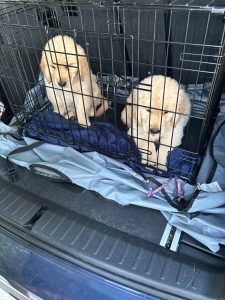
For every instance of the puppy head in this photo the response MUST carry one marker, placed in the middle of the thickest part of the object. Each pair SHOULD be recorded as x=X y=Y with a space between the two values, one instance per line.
x=158 y=107
x=63 y=60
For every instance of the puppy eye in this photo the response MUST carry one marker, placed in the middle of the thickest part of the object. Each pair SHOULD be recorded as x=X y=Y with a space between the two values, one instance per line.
x=148 y=110
x=53 y=67
x=165 y=112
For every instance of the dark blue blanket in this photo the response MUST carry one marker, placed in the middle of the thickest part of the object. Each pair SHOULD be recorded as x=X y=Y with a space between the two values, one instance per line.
x=104 y=138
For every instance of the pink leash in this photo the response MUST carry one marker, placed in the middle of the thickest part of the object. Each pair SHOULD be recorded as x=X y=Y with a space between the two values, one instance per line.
x=179 y=193
x=152 y=192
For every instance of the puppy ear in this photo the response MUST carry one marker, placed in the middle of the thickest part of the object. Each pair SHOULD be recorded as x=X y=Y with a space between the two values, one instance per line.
x=45 y=68
x=132 y=112
x=42 y=63
x=83 y=67
x=126 y=116
x=138 y=115
x=182 y=105
x=132 y=115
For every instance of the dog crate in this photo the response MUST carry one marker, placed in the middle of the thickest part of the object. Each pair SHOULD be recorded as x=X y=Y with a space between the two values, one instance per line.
x=124 y=42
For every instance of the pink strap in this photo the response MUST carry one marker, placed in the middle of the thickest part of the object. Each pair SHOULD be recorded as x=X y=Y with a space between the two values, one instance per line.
x=152 y=192
x=178 y=193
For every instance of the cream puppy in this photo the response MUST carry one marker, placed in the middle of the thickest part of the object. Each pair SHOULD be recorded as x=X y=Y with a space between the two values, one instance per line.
x=157 y=111
x=70 y=84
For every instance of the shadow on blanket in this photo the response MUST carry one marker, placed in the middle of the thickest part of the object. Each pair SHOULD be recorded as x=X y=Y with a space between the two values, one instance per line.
x=106 y=139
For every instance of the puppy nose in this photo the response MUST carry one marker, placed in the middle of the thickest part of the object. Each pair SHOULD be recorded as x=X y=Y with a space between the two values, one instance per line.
x=62 y=83
x=154 y=130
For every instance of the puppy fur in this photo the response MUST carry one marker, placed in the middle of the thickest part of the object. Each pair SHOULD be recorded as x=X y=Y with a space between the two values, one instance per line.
x=165 y=107
x=70 y=84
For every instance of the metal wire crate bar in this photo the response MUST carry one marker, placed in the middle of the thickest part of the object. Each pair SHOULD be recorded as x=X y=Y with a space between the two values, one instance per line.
x=140 y=81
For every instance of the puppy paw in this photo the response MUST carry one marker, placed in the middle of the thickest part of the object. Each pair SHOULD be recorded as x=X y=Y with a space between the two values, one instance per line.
x=162 y=168
x=148 y=163
x=150 y=158
x=162 y=158
x=69 y=115
x=85 y=123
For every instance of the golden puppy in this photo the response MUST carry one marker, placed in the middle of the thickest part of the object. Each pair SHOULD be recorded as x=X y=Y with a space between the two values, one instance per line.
x=157 y=114
x=70 y=84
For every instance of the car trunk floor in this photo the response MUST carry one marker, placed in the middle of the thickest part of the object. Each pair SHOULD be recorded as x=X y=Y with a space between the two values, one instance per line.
x=144 y=223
